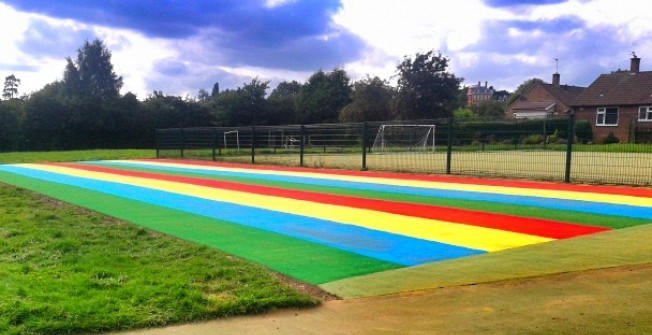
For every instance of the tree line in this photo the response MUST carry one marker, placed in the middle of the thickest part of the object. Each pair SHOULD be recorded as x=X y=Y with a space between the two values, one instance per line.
x=85 y=109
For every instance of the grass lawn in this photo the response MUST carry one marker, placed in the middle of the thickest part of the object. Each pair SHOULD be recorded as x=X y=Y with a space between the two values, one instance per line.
x=77 y=155
x=67 y=270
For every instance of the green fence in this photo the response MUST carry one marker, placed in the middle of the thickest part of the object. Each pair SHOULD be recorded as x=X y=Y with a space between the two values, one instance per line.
x=554 y=149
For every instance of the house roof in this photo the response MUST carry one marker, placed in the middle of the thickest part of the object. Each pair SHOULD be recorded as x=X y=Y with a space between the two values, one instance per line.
x=532 y=105
x=564 y=93
x=617 y=89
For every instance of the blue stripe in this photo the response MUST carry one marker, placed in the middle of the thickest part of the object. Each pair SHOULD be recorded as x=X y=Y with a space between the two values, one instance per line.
x=561 y=204
x=372 y=243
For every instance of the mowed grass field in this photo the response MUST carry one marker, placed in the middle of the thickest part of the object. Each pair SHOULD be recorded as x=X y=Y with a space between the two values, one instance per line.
x=64 y=269
x=510 y=275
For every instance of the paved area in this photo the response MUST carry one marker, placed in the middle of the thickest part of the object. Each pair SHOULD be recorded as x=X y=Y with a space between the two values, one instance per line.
x=572 y=303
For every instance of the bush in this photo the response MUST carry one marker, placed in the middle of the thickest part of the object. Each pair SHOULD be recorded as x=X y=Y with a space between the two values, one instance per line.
x=533 y=139
x=611 y=138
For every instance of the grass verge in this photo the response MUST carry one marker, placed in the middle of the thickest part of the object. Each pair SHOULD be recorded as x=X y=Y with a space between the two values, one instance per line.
x=66 y=270
x=76 y=155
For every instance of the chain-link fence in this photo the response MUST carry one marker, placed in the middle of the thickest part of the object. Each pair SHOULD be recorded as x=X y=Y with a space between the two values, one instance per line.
x=555 y=149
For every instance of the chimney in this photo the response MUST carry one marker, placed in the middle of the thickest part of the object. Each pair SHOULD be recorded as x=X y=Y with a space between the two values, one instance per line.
x=555 y=79
x=635 y=65
x=485 y=84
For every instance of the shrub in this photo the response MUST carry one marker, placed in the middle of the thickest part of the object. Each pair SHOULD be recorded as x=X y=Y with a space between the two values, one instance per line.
x=533 y=139
x=611 y=138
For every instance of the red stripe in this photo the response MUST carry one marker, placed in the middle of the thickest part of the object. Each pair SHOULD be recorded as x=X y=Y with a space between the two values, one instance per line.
x=614 y=190
x=530 y=226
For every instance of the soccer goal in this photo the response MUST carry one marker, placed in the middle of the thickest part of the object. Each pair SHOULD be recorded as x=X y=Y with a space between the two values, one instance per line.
x=404 y=137
x=231 y=139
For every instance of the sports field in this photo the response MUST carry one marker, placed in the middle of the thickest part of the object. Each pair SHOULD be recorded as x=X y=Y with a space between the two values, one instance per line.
x=325 y=226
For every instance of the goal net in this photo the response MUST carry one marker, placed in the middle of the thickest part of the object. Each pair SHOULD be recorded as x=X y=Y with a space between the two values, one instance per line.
x=404 y=137
x=231 y=140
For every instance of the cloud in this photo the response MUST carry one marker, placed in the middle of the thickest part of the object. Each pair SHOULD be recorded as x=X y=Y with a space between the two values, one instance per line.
x=513 y=3
x=295 y=35
x=43 y=39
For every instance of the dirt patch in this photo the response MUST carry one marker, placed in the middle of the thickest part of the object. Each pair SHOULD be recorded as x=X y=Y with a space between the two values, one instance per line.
x=605 y=301
x=312 y=290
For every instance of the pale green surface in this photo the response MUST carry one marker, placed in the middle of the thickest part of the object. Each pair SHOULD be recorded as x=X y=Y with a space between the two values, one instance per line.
x=603 y=250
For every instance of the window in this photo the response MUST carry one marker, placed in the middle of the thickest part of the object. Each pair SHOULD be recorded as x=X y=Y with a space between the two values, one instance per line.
x=645 y=113
x=607 y=116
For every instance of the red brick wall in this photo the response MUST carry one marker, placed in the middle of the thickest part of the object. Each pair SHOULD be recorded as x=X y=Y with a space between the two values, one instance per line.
x=538 y=93
x=627 y=118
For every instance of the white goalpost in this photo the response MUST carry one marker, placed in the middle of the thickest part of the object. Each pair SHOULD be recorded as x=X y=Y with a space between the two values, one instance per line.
x=404 y=137
x=231 y=133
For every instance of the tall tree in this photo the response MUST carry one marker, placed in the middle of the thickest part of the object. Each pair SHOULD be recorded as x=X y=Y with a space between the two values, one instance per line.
x=282 y=102
x=323 y=96
x=91 y=74
x=370 y=101
x=244 y=106
x=10 y=90
x=425 y=87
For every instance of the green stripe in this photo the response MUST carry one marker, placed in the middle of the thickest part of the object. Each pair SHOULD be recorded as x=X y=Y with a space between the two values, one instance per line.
x=614 y=222
x=303 y=260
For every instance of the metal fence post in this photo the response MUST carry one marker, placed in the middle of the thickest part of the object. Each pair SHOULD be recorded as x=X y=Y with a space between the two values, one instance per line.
x=365 y=130
x=214 y=143
x=569 y=147
x=449 y=146
x=302 y=136
x=183 y=141
x=253 y=145
x=157 y=139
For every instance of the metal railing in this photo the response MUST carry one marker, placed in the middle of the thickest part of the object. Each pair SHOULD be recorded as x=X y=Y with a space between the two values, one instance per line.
x=555 y=149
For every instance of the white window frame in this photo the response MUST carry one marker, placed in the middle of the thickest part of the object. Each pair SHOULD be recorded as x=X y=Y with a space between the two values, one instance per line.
x=647 y=111
x=601 y=117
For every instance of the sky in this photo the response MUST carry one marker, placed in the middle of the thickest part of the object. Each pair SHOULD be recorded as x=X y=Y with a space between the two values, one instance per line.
x=181 y=46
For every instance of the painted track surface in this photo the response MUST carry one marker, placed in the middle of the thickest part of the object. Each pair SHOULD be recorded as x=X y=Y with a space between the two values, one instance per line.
x=321 y=225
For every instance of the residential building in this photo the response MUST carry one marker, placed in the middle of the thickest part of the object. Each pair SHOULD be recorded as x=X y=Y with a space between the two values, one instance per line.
x=618 y=103
x=544 y=100
x=478 y=93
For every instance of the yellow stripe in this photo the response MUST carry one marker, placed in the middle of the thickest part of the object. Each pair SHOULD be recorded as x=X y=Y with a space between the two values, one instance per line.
x=434 y=230
x=503 y=190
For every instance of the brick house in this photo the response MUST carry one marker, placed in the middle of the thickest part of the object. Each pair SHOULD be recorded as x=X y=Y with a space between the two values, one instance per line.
x=544 y=100
x=478 y=94
x=618 y=103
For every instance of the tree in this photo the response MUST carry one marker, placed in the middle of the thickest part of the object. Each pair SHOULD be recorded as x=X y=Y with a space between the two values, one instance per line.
x=216 y=90
x=425 y=88
x=91 y=75
x=323 y=96
x=370 y=101
x=282 y=102
x=490 y=109
x=521 y=89
x=244 y=106
x=11 y=87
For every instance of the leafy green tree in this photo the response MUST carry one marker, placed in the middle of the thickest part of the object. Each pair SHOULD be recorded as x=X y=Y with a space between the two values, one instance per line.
x=370 y=101
x=10 y=90
x=91 y=75
x=521 y=89
x=47 y=120
x=203 y=95
x=282 y=102
x=323 y=96
x=216 y=90
x=165 y=111
x=490 y=109
x=244 y=106
x=425 y=87
x=12 y=114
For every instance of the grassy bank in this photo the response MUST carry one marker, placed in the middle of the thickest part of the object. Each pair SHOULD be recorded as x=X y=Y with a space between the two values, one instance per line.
x=67 y=270
x=76 y=155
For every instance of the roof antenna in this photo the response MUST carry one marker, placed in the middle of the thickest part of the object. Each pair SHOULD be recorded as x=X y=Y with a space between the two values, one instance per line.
x=556 y=65
x=634 y=55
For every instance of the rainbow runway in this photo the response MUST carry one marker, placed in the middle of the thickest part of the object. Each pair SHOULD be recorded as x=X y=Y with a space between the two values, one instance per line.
x=324 y=225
